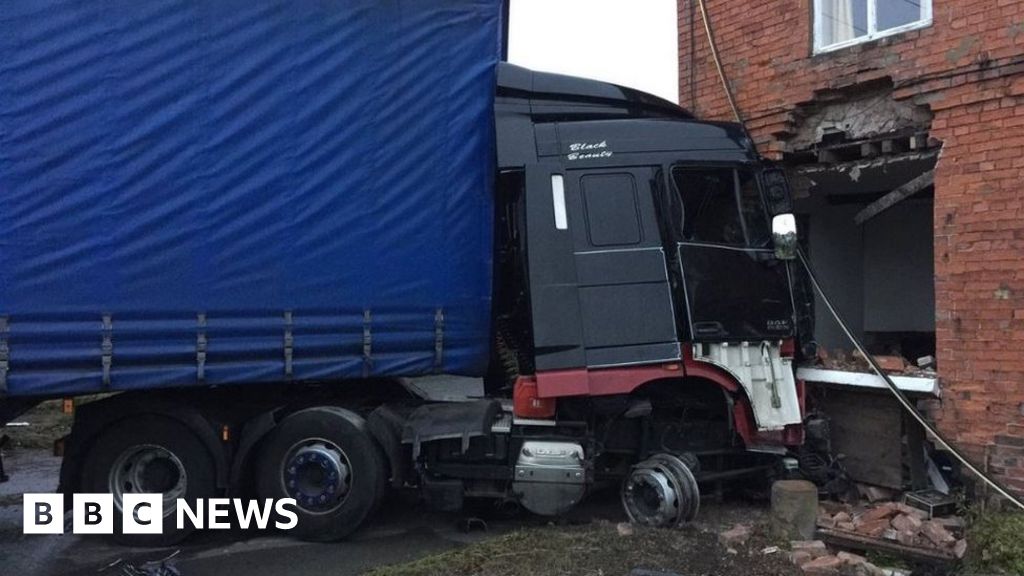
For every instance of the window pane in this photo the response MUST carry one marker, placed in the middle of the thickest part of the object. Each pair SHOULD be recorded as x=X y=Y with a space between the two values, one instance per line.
x=842 y=20
x=894 y=13
x=710 y=212
x=610 y=201
x=758 y=231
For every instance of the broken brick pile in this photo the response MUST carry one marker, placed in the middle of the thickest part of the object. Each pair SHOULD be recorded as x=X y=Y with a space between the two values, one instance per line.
x=896 y=522
x=838 y=359
x=815 y=559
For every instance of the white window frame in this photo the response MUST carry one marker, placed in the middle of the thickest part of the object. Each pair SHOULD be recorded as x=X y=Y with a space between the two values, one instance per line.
x=873 y=32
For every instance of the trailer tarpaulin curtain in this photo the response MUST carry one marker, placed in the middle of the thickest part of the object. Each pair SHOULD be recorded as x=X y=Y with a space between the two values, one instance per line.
x=199 y=192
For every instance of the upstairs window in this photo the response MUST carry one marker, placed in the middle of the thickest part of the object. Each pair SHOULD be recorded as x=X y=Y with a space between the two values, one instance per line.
x=841 y=23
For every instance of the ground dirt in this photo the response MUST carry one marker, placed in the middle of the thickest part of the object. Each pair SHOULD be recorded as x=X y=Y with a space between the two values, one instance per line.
x=599 y=548
x=589 y=543
x=39 y=427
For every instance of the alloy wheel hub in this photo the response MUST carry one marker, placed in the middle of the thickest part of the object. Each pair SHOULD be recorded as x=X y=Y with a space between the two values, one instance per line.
x=317 y=474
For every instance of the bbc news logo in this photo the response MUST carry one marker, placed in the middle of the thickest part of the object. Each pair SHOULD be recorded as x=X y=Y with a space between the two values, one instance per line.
x=144 y=513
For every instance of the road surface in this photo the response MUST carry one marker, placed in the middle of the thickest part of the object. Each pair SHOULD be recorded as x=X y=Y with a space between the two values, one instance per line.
x=399 y=532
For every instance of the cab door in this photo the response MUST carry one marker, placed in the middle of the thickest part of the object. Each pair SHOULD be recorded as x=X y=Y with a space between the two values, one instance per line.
x=734 y=287
x=599 y=284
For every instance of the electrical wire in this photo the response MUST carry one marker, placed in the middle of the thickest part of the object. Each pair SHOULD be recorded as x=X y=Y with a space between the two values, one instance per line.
x=693 y=57
x=900 y=397
x=718 y=62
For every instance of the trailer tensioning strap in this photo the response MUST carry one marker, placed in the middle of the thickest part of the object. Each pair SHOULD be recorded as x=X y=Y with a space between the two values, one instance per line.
x=900 y=396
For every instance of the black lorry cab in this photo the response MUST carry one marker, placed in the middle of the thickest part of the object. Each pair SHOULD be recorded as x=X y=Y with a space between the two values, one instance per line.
x=645 y=230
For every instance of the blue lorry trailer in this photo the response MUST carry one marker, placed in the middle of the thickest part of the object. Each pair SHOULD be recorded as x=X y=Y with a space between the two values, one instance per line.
x=215 y=193
x=245 y=225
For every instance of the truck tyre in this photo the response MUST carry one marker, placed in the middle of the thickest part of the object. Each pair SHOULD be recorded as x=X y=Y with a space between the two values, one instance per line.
x=326 y=459
x=383 y=482
x=661 y=492
x=150 y=455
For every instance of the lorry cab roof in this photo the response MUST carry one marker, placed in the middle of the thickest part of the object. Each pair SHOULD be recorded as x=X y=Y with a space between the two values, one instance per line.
x=562 y=114
x=560 y=95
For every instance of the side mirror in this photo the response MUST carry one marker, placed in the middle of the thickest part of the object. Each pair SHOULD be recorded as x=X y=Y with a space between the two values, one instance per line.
x=776 y=191
x=784 y=236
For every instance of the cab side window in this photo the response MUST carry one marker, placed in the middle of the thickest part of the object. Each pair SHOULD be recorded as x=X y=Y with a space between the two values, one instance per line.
x=610 y=204
x=759 y=233
x=721 y=206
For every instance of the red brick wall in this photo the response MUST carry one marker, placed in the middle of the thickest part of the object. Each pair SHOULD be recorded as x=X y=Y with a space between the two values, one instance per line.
x=968 y=66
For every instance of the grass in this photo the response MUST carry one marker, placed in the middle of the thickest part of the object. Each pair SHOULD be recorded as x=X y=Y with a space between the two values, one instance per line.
x=596 y=549
x=541 y=551
x=995 y=543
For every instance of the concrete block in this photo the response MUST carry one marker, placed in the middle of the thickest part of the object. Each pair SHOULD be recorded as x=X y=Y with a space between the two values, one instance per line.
x=795 y=508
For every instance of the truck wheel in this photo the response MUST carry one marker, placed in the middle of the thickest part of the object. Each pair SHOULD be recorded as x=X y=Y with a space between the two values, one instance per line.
x=150 y=455
x=661 y=492
x=326 y=460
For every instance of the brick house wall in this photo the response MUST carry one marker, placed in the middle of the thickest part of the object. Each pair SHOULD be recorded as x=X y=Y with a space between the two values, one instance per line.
x=968 y=68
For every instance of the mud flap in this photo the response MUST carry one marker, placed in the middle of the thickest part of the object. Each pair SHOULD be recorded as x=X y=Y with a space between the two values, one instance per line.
x=463 y=420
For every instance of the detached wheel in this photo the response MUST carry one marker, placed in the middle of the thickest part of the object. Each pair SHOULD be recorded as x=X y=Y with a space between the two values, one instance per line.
x=327 y=461
x=661 y=492
x=150 y=455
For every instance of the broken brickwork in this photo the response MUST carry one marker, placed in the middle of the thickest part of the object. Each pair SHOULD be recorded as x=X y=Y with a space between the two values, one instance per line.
x=963 y=76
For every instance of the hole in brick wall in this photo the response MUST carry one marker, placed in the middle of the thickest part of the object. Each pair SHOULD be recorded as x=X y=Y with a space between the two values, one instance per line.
x=861 y=165
x=862 y=121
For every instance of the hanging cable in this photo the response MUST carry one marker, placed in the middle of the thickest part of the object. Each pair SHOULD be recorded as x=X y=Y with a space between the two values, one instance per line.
x=900 y=396
x=692 y=22
x=718 y=62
